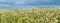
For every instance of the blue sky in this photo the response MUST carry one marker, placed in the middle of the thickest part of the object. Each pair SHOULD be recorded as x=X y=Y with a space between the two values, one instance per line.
x=9 y=4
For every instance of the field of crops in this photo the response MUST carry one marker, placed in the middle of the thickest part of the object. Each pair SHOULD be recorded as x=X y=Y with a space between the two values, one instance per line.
x=43 y=15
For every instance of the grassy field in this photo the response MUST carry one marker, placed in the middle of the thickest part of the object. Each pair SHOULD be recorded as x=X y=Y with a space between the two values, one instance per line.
x=43 y=15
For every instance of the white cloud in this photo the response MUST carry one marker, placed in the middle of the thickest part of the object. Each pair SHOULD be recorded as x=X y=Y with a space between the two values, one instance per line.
x=46 y=0
x=2 y=0
x=7 y=1
x=20 y=1
x=16 y=2
x=4 y=5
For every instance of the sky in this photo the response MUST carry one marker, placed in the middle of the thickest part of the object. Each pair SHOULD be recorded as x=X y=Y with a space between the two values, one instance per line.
x=13 y=4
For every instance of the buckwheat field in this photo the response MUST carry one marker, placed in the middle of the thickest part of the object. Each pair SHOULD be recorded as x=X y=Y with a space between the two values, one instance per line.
x=43 y=15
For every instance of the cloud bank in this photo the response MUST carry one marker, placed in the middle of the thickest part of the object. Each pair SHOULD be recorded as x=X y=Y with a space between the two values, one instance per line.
x=23 y=3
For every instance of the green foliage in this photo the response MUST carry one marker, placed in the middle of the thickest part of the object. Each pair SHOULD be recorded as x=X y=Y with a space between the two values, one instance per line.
x=30 y=16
